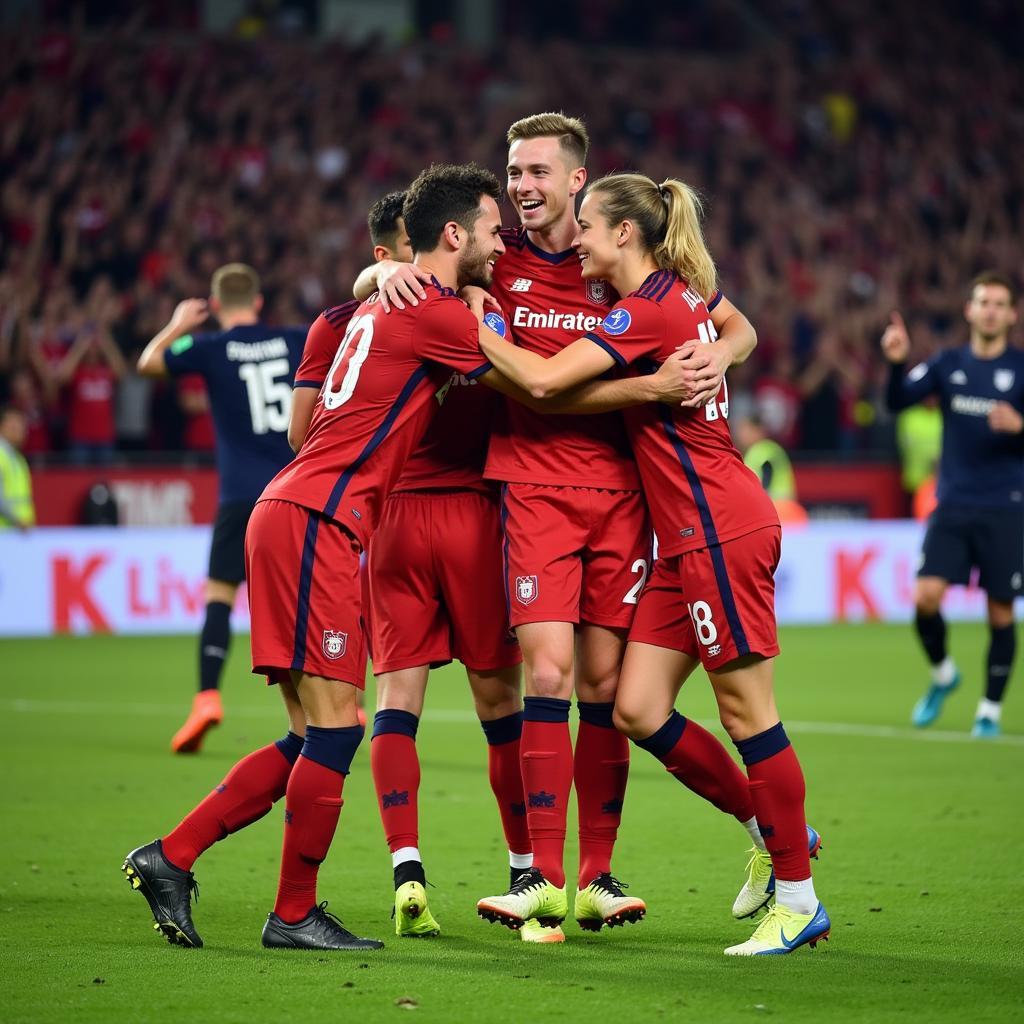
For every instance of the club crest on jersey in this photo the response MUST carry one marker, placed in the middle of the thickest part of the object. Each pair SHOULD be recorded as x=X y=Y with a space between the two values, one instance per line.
x=617 y=321
x=526 y=589
x=496 y=322
x=335 y=644
x=1003 y=380
x=597 y=291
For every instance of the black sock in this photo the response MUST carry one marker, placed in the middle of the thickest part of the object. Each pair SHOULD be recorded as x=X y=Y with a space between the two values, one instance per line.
x=214 y=641
x=409 y=871
x=1001 y=649
x=932 y=631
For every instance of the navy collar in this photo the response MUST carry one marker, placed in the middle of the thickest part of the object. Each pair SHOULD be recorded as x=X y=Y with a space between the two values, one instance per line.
x=550 y=257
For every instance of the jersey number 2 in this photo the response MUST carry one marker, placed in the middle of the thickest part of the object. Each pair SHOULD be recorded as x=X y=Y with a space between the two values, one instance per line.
x=270 y=399
x=360 y=331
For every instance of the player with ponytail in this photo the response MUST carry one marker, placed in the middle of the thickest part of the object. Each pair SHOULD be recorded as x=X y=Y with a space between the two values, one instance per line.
x=710 y=597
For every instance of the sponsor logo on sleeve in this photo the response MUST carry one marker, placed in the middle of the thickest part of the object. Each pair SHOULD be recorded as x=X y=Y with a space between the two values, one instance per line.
x=496 y=322
x=183 y=344
x=617 y=321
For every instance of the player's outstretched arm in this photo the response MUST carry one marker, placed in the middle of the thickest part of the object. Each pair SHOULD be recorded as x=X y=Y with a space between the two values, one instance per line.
x=904 y=390
x=398 y=284
x=545 y=378
x=187 y=316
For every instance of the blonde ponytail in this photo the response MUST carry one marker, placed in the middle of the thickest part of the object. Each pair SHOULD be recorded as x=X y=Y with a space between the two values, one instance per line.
x=683 y=248
x=667 y=217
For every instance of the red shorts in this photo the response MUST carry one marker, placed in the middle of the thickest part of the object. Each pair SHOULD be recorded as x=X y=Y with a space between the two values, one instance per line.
x=574 y=554
x=305 y=595
x=435 y=583
x=716 y=604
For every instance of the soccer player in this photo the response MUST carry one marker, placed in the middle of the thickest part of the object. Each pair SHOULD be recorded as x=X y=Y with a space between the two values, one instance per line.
x=979 y=521
x=576 y=556
x=442 y=504
x=302 y=560
x=248 y=368
x=719 y=540
x=435 y=592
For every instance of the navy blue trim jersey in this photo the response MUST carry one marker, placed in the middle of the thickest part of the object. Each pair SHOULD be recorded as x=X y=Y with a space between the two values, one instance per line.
x=248 y=372
x=979 y=466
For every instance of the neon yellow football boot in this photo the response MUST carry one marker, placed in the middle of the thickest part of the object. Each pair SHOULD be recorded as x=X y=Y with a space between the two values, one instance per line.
x=604 y=903
x=759 y=888
x=533 y=931
x=413 y=919
x=782 y=930
x=531 y=895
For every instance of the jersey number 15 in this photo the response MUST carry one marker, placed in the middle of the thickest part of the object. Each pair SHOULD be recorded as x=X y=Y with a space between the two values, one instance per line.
x=270 y=398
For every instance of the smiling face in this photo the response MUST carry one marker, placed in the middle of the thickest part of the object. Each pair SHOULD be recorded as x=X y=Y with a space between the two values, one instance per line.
x=596 y=242
x=483 y=247
x=541 y=184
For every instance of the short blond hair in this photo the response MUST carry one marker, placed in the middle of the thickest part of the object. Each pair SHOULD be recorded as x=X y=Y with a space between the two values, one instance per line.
x=235 y=286
x=571 y=133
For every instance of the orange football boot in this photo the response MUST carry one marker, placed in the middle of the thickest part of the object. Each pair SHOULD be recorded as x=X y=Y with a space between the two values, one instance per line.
x=205 y=714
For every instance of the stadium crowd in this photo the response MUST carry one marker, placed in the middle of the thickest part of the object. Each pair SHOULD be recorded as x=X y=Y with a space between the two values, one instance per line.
x=854 y=160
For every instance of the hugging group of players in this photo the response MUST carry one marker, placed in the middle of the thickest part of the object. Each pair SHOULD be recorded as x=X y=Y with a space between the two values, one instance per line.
x=487 y=446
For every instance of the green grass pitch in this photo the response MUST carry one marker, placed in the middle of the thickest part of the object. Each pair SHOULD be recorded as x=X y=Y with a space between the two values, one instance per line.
x=921 y=869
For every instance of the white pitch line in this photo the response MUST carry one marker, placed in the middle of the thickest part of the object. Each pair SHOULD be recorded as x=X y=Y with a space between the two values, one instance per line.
x=30 y=706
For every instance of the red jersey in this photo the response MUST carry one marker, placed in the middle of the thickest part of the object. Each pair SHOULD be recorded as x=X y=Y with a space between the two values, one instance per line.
x=697 y=488
x=452 y=452
x=378 y=397
x=91 y=418
x=549 y=306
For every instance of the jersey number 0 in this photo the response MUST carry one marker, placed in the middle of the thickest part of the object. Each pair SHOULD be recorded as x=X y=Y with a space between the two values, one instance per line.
x=356 y=346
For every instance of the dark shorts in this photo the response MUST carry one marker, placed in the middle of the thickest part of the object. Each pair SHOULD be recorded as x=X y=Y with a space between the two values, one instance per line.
x=227 y=550
x=960 y=539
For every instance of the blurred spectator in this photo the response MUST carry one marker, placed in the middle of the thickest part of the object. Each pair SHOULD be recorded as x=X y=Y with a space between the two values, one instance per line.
x=849 y=151
x=91 y=370
x=16 y=508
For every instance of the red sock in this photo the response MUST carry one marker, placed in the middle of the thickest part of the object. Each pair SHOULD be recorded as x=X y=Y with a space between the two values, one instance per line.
x=396 y=776
x=600 y=771
x=546 y=759
x=702 y=764
x=506 y=778
x=312 y=807
x=777 y=788
x=247 y=793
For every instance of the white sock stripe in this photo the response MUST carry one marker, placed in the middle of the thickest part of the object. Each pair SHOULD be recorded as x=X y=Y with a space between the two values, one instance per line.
x=404 y=855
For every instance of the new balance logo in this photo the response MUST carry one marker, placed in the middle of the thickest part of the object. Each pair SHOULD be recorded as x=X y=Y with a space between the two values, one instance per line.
x=519 y=810
x=958 y=377
x=288 y=817
x=220 y=788
x=395 y=799
x=611 y=807
x=521 y=284
x=767 y=831
x=542 y=799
